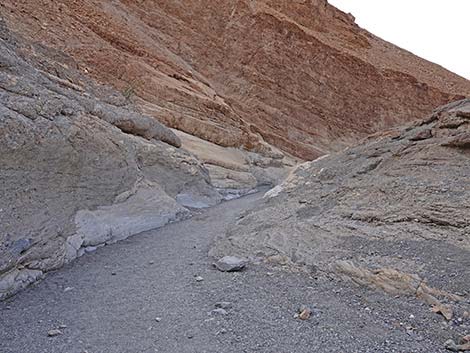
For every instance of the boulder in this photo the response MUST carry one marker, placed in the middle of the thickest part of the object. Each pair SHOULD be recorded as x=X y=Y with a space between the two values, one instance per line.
x=231 y=264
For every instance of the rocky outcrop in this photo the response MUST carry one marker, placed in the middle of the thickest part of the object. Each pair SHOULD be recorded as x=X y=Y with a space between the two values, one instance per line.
x=78 y=167
x=234 y=171
x=297 y=75
x=391 y=213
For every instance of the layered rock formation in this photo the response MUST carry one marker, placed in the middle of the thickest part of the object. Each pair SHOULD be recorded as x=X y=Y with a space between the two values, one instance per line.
x=248 y=87
x=235 y=171
x=391 y=213
x=79 y=169
x=298 y=75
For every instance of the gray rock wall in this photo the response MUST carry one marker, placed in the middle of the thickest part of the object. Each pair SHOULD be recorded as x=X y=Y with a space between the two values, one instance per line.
x=78 y=168
x=395 y=205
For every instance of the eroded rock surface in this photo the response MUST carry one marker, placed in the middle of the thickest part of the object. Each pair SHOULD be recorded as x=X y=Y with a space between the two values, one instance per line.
x=392 y=213
x=78 y=167
x=235 y=172
x=297 y=75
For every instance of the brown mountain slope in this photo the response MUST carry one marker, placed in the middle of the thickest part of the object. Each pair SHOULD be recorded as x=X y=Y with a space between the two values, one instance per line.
x=299 y=75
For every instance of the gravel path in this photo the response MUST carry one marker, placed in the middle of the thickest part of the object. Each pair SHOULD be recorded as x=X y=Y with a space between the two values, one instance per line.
x=109 y=302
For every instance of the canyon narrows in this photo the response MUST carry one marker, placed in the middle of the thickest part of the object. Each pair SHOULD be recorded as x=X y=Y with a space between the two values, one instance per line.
x=333 y=164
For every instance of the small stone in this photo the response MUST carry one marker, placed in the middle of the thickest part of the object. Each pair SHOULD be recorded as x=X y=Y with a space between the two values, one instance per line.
x=444 y=310
x=304 y=313
x=465 y=339
x=113 y=273
x=158 y=319
x=412 y=316
x=231 y=264
x=151 y=262
x=199 y=279
x=68 y=289
x=454 y=347
x=219 y=311
x=62 y=326
x=53 y=333
x=223 y=305
x=90 y=249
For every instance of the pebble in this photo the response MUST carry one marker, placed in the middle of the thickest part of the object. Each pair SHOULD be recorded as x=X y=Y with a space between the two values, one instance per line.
x=305 y=312
x=409 y=330
x=158 y=319
x=53 y=333
x=199 y=279
x=62 y=326
x=219 y=311
x=68 y=289
x=151 y=262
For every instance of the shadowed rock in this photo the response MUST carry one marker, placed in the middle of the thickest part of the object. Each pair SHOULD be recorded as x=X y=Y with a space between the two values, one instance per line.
x=79 y=168
x=392 y=213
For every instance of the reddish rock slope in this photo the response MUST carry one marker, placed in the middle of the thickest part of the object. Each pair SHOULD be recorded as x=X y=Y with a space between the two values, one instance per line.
x=300 y=75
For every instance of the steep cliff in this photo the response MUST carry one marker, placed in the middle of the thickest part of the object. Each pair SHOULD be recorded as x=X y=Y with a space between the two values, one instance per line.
x=297 y=75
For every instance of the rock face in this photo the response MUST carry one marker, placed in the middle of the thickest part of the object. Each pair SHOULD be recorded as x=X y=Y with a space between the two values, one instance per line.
x=78 y=167
x=234 y=171
x=392 y=213
x=297 y=75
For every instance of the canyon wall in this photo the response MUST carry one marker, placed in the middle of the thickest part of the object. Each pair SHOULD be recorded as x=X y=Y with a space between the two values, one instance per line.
x=390 y=213
x=297 y=75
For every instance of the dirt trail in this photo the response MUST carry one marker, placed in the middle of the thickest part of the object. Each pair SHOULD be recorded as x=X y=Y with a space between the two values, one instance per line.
x=110 y=300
